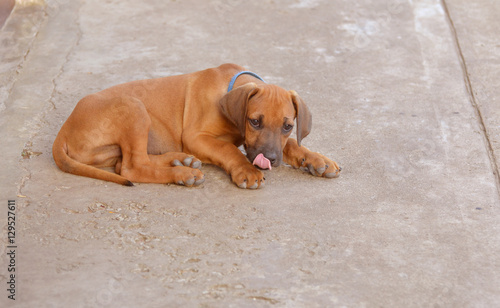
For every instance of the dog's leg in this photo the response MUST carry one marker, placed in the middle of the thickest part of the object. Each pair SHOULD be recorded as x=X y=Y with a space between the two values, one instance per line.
x=317 y=164
x=227 y=156
x=164 y=175
x=137 y=165
x=167 y=168
x=141 y=167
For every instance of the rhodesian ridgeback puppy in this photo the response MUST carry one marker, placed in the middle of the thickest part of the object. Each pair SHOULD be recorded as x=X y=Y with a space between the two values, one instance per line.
x=160 y=130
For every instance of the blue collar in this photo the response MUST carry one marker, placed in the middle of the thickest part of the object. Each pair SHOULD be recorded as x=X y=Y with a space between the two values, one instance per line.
x=233 y=80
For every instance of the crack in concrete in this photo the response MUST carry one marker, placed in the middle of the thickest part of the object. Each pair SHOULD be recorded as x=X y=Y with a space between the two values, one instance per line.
x=23 y=181
x=472 y=98
x=50 y=100
x=66 y=61
x=37 y=25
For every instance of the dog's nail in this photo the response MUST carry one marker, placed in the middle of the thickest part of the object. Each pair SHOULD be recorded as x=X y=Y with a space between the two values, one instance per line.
x=311 y=169
x=196 y=164
x=332 y=175
x=187 y=162
x=176 y=162
x=340 y=169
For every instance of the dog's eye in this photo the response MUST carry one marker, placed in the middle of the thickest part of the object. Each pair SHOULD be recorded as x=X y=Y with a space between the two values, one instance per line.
x=255 y=123
x=287 y=127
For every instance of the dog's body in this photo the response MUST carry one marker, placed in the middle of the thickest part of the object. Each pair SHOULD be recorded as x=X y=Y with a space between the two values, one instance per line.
x=158 y=130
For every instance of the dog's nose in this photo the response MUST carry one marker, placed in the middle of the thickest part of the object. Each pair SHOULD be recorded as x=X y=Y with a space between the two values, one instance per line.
x=273 y=158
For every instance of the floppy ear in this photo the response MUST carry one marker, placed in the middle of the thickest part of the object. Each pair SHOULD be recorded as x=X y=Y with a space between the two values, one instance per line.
x=304 y=117
x=234 y=104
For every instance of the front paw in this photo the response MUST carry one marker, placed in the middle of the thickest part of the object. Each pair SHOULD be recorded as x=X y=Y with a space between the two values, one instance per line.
x=247 y=176
x=320 y=165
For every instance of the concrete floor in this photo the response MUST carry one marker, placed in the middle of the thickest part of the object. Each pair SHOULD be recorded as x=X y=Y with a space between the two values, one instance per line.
x=404 y=95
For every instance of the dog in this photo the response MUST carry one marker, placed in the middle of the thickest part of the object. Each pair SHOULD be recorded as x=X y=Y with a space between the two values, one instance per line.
x=161 y=130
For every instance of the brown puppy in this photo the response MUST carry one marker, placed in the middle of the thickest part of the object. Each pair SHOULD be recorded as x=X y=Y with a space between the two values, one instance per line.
x=158 y=130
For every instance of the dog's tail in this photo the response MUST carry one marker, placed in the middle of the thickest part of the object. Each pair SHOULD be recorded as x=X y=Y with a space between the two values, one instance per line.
x=68 y=164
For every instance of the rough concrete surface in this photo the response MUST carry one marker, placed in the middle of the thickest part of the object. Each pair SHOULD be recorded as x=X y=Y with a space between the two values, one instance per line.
x=404 y=95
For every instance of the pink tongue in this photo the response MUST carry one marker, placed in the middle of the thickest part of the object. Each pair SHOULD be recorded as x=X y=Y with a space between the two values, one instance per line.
x=262 y=162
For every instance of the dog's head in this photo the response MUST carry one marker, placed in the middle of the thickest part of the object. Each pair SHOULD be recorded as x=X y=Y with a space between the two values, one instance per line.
x=265 y=116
